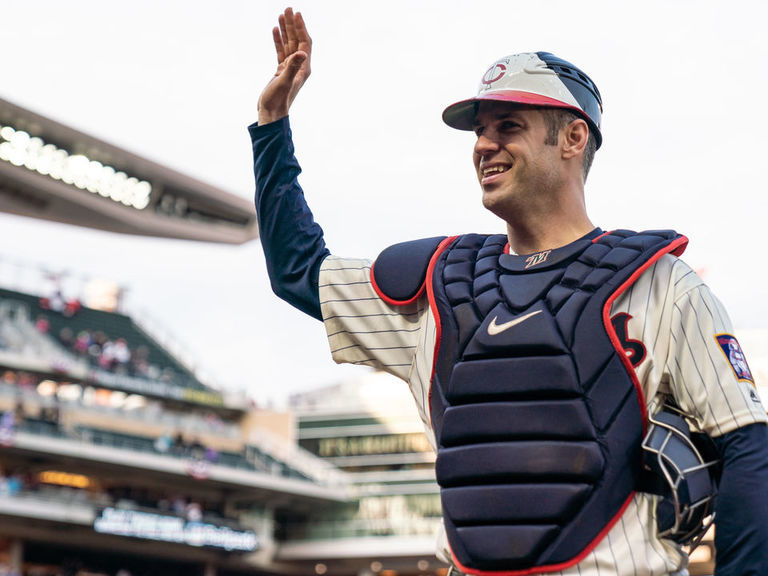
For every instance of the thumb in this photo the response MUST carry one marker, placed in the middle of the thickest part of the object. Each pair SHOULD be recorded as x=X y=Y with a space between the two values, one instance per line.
x=294 y=63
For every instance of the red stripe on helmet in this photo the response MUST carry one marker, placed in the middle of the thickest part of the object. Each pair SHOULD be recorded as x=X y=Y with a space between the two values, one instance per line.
x=526 y=98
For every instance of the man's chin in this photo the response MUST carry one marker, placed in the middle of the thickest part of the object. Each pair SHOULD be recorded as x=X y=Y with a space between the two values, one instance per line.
x=496 y=211
x=493 y=201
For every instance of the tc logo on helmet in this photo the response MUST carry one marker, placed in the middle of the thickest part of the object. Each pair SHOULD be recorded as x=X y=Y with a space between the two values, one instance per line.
x=494 y=73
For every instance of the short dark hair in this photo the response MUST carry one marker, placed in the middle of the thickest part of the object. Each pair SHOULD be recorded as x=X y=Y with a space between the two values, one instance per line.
x=558 y=118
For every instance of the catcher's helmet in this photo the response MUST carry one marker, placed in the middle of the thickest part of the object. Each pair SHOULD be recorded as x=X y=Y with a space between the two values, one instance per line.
x=537 y=79
x=688 y=475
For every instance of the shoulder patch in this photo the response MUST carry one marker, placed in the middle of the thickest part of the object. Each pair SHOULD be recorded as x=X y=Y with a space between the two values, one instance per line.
x=399 y=273
x=735 y=356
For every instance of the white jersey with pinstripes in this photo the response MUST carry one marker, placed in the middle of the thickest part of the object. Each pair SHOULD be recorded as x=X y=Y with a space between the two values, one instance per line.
x=671 y=311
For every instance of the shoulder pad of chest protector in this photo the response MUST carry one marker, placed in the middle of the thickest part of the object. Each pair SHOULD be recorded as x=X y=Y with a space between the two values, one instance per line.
x=400 y=271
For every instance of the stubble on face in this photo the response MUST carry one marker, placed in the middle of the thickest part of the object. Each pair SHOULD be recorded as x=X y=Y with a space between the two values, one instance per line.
x=515 y=138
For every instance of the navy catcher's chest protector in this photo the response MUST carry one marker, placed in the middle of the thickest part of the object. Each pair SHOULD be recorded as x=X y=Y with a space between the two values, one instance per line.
x=536 y=409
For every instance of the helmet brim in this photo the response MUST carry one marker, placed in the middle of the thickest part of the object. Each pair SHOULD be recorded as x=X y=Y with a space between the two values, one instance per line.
x=461 y=115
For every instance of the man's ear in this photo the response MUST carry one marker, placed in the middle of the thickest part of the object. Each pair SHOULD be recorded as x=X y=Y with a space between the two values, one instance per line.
x=574 y=138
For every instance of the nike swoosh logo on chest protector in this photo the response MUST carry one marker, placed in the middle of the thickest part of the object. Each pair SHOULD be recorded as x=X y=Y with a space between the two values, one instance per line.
x=494 y=329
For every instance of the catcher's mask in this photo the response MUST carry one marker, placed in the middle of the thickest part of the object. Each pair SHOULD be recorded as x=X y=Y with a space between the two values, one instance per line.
x=685 y=471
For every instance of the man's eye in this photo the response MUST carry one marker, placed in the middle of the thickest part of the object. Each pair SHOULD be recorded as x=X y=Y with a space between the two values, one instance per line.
x=509 y=125
x=478 y=130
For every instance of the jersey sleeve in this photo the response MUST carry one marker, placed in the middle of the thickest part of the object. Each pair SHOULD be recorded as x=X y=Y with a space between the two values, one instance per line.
x=293 y=242
x=708 y=373
x=361 y=327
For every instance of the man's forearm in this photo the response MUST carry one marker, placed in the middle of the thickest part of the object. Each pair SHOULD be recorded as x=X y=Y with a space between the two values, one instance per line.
x=741 y=523
x=293 y=242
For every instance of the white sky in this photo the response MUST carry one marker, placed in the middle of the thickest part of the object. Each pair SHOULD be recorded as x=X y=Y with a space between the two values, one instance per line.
x=683 y=83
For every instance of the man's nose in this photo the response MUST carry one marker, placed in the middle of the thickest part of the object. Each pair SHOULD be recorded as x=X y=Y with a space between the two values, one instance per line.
x=485 y=144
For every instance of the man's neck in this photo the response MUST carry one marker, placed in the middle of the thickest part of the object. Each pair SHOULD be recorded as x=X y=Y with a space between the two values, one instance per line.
x=546 y=234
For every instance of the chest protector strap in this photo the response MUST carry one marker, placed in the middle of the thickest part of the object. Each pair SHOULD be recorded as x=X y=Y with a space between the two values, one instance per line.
x=536 y=408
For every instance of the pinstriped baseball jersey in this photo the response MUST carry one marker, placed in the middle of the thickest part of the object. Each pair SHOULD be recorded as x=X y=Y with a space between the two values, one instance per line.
x=669 y=315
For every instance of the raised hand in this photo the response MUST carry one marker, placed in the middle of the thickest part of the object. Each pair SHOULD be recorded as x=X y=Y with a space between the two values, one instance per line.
x=294 y=49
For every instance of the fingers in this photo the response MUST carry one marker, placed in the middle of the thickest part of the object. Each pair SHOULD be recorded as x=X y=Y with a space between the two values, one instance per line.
x=283 y=31
x=279 y=50
x=292 y=35
x=293 y=49
x=289 y=28
x=305 y=42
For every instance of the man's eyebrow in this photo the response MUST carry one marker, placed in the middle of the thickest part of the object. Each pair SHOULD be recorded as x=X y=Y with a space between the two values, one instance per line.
x=503 y=115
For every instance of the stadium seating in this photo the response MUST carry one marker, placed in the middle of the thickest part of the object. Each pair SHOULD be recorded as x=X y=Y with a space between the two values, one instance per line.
x=114 y=325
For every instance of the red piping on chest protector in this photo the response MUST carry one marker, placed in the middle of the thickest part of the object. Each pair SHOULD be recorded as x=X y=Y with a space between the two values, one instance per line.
x=550 y=567
x=676 y=248
x=433 y=306
x=392 y=301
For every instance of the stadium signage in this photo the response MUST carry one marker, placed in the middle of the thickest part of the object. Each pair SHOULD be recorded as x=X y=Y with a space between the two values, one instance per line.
x=154 y=388
x=135 y=524
x=368 y=445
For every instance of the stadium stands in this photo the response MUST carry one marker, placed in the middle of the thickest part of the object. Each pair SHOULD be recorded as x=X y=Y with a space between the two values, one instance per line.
x=101 y=327
x=102 y=451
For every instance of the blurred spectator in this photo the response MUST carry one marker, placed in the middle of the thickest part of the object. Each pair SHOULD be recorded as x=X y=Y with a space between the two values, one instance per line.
x=83 y=342
x=67 y=338
x=211 y=455
x=179 y=504
x=121 y=355
x=54 y=302
x=114 y=355
x=196 y=449
x=51 y=414
x=10 y=485
x=167 y=375
x=107 y=359
x=26 y=381
x=98 y=339
x=140 y=361
x=7 y=428
x=42 y=325
x=179 y=445
x=163 y=443
x=57 y=303
x=194 y=512
x=18 y=413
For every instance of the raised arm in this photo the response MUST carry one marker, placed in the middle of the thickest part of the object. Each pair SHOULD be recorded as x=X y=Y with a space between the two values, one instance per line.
x=293 y=242
x=294 y=50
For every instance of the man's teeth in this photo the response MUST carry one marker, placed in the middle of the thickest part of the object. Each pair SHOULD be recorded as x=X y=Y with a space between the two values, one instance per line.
x=494 y=169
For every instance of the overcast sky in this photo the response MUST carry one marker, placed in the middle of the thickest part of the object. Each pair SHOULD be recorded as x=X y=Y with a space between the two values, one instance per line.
x=683 y=84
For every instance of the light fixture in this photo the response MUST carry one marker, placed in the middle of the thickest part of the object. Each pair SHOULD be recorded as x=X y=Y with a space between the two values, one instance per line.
x=20 y=149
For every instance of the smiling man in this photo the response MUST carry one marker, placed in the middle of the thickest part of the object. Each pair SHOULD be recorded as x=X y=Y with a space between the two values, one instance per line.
x=583 y=389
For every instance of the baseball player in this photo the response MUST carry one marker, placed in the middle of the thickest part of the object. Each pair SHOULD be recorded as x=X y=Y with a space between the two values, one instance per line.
x=543 y=360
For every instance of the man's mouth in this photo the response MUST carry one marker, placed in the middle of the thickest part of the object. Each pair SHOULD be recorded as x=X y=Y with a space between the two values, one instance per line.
x=490 y=170
x=488 y=174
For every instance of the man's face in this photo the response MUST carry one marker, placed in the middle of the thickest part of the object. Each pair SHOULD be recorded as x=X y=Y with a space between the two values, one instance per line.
x=514 y=166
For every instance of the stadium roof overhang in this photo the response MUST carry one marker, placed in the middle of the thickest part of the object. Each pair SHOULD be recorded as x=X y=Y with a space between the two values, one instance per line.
x=51 y=171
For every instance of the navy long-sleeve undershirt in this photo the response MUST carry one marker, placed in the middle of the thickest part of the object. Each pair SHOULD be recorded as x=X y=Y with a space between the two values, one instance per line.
x=293 y=242
x=741 y=523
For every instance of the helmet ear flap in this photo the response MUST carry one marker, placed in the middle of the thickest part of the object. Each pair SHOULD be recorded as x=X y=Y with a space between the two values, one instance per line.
x=686 y=475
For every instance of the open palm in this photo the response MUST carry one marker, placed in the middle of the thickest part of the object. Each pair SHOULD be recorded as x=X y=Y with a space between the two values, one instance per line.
x=294 y=49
